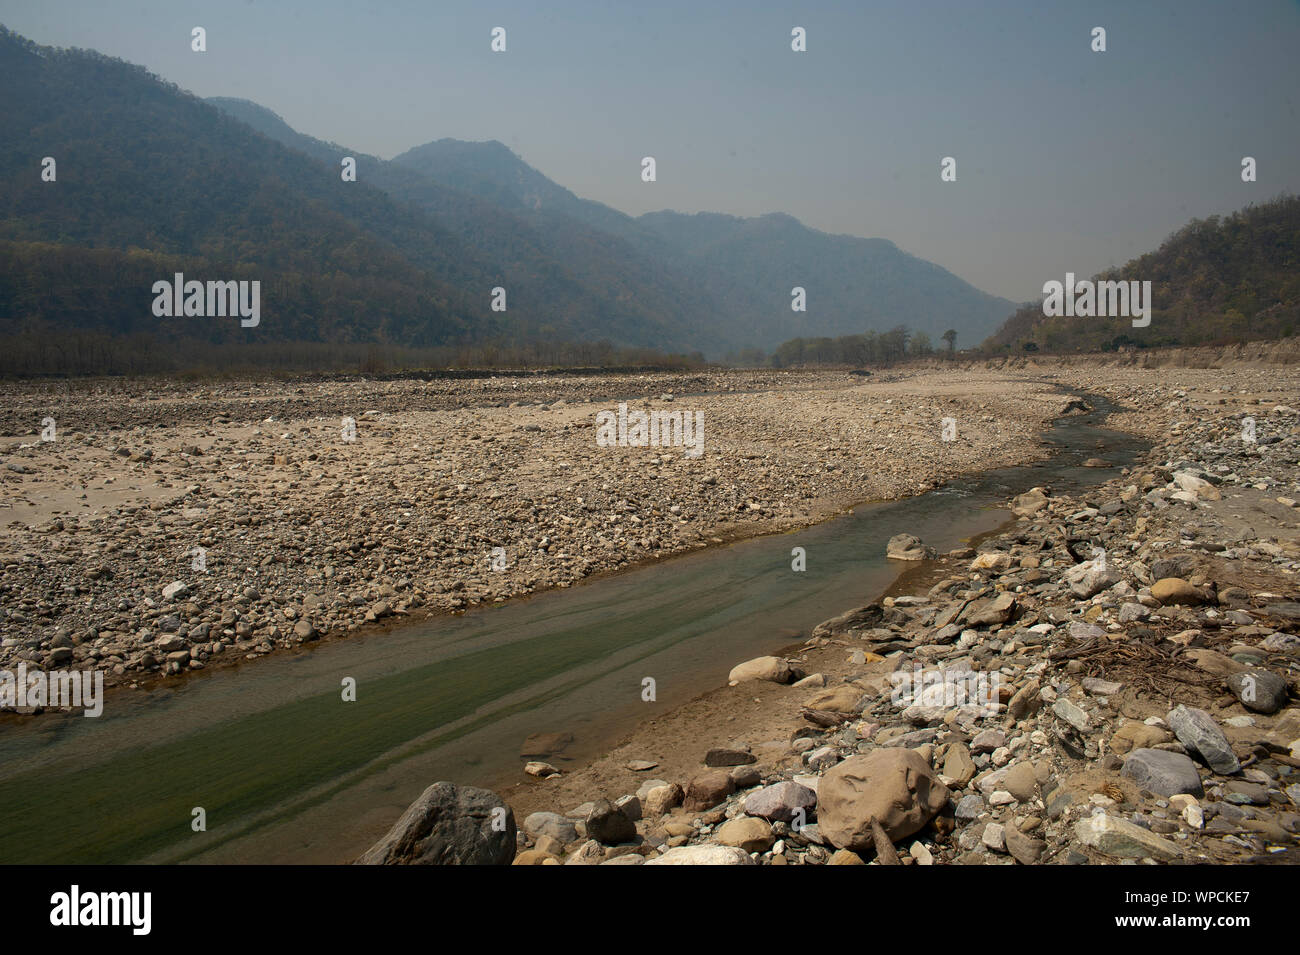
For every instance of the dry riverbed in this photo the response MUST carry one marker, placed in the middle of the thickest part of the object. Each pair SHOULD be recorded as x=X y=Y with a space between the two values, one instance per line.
x=170 y=527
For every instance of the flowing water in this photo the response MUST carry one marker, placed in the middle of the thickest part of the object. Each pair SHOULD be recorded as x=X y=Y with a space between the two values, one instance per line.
x=285 y=771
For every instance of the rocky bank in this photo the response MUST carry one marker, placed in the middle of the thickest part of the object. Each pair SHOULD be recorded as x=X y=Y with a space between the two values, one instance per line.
x=1116 y=682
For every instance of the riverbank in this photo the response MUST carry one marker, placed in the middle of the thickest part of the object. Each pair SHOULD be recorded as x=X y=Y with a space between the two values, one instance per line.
x=1145 y=636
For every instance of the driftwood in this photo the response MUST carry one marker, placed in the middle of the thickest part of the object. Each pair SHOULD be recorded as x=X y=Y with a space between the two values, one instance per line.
x=825 y=717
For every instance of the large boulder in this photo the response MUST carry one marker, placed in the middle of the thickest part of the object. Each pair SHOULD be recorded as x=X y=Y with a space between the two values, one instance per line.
x=1029 y=503
x=449 y=825
x=1163 y=772
x=894 y=786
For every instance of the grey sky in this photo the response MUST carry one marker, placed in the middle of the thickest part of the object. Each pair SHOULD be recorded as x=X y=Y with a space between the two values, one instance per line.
x=1066 y=159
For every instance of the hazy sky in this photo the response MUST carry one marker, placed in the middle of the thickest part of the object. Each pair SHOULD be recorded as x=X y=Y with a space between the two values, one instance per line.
x=1066 y=159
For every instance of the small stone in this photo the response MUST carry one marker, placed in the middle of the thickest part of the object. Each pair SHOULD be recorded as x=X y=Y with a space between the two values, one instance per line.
x=784 y=801
x=1260 y=690
x=994 y=838
x=662 y=799
x=1024 y=849
x=746 y=832
x=1197 y=731
x=608 y=824
x=1072 y=714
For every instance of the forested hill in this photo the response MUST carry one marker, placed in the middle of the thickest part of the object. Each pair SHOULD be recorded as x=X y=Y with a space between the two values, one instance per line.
x=151 y=180
x=1216 y=280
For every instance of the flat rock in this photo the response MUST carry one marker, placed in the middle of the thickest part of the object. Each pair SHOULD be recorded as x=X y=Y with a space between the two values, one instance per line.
x=1117 y=837
x=728 y=757
x=708 y=854
x=1163 y=772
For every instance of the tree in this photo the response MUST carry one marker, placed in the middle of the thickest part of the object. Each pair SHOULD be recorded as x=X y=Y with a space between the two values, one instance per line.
x=950 y=336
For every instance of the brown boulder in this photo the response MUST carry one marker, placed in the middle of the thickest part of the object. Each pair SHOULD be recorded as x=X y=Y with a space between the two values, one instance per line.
x=708 y=789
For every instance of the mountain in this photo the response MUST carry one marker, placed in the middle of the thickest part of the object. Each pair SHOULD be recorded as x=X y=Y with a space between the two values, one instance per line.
x=852 y=284
x=152 y=181
x=746 y=266
x=1215 y=281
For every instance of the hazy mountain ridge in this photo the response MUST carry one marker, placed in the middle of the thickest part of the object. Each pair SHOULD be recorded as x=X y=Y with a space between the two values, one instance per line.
x=150 y=177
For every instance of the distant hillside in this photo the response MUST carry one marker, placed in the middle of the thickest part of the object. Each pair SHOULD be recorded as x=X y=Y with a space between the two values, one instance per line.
x=746 y=267
x=853 y=285
x=1215 y=281
x=548 y=261
x=152 y=180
